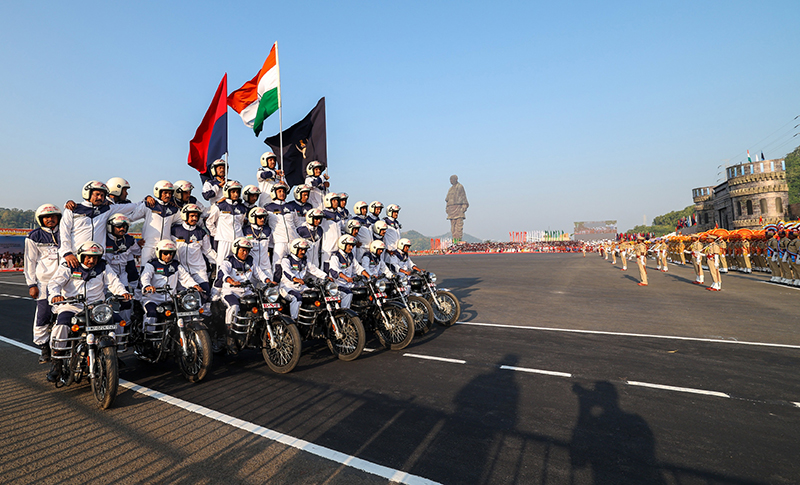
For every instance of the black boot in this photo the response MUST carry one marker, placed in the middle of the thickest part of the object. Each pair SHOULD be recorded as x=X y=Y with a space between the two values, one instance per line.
x=233 y=347
x=44 y=357
x=55 y=370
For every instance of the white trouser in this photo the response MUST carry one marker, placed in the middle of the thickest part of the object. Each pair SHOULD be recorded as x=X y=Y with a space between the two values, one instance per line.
x=223 y=251
x=279 y=251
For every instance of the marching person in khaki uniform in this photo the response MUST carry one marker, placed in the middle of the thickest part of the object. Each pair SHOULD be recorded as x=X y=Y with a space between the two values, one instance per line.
x=712 y=252
x=613 y=253
x=696 y=249
x=624 y=249
x=792 y=249
x=723 y=252
x=773 y=249
x=748 y=268
x=681 y=250
x=640 y=250
x=783 y=259
x=663 y=253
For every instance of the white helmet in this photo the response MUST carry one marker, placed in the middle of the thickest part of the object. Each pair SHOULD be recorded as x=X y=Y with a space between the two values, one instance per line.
x=344 y=196
x=266 y=156
x=299 y=190
x=183 y=186
x=378 y=227
x=91 y=186
x=161 y=186
x=89 y=248
x=311 y=166
x=216 y=163
x=314 y=214
x=241 y=243
x=116 y=184
x=375 y=205
x=46 y=210
x=403 y=243
x=297 y=244
x=274 y=190
x=392 y=208
x=165 y=246
x=374 y=246
x=188 y=209
x=352 y=227
x=327 y=201
x=118 y=220
x=256 y=212
x=359 y=205
x=345 y=240
x=231 y=185
x=250 y=190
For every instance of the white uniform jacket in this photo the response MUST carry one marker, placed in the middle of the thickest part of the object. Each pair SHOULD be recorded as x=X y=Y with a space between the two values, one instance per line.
x=241 y=271
x=399 y=260
x=318 y=190
x=41 y=257
x=281 y=221
x=392 y=233
x=226 y=218
x=266 y=179
x=374 y=265
x=88 y=223
x=69 y=283
x=193 y=242
x=297 y=268
x=260 y=238
x=342 y=263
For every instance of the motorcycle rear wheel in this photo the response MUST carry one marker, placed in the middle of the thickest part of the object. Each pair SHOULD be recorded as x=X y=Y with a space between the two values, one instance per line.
x=194 y=366
x=422 y=311
x=447 y=308
x=106 y=377
x=350 y=346
x=402 y=331
x=286 y=355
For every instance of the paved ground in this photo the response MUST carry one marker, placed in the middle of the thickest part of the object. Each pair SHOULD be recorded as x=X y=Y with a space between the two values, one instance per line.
x=512 y=403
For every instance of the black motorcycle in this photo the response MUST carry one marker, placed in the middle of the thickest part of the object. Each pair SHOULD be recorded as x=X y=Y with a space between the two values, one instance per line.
x=398 y=290
x=446 y=307
x=261 y=325
x=91 y=349
x=320 y=316
x=391 y=322
x=178 y=332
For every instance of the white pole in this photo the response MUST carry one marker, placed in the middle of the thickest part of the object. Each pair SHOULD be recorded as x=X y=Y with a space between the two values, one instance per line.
x=280 y=108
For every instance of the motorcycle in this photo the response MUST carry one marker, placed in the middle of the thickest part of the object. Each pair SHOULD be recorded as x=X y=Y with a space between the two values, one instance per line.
x=92 y=349
x=320 y=316
x=179 y=332
x=260 y=325
x=391 y=322
x=446 y=307
x=398 y=290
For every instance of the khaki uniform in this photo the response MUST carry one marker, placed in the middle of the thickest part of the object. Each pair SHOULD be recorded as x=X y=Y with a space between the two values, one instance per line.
x=712 y=253
x=773 y=249
x=723 y=255
x=748 y=268
x=792 y=250
x=696 y=249
x=640 y=250
x=682 y=252
x=786 y=267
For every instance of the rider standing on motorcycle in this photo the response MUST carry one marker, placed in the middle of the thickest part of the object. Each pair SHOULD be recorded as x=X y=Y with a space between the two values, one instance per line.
x=41 y=262
x=295 y=269
x=235 y=270
x=121 y=247
x=259 y=234
x=343 y=267
x=353 y=228
x=318 y=182
x=300 y=204
x=344 y=214
x=400 y=260
x=161 y=271
x=373 y=262
x=281 y=222
x=375 y=208
x=183 y=194
x=379 y=232
x=312 y=232
x=393 y=229
x=330 y=228
x=266 y=176
x=193 y=242
x=226 y=218
x=364 y=236
x=89 y=279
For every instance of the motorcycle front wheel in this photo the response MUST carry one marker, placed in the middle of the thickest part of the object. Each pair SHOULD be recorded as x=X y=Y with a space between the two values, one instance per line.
x=422 y=311
x=446 y=308
x=401 y=330
x=197 y=360
x=352 y=340
x=285 y=356
x=106 y=377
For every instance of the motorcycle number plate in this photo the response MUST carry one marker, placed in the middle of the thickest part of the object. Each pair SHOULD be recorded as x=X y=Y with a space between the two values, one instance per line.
x=98 y=328
x=271 y=305
x=187 y=314
x=332 y=298
x=380 y=295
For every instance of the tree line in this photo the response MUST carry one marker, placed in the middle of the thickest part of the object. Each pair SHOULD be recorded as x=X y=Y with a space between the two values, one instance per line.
x=16 y=218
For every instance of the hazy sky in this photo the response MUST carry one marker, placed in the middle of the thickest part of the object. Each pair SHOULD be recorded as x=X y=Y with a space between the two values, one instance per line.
x=549 y=112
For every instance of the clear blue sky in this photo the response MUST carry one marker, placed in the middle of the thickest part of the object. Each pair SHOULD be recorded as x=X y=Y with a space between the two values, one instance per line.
x=549 y=112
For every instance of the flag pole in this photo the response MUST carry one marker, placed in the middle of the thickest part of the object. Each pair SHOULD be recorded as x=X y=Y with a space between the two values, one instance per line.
x=280 y=108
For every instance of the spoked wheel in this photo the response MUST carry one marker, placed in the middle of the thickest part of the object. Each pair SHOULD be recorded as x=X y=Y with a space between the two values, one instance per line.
x=196 y=361
x=448 y=308
x=352 y=340
x=106 y=377
x=422 y=312
x=284 y=357
x=400 y=331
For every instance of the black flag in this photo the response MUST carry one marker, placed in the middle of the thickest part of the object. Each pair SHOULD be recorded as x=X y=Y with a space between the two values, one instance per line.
x=303 y=142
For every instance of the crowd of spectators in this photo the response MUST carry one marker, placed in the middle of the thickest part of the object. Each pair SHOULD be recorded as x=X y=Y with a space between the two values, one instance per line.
x=511 y=247
x=10 y=260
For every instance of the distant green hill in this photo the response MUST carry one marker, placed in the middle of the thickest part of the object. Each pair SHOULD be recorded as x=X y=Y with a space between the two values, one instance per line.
x=421 y=242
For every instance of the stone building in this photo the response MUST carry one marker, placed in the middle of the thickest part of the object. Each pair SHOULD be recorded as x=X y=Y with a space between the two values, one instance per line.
x=754 y=194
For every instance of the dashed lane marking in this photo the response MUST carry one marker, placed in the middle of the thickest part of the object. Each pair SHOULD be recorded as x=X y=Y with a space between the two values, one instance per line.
x=13 y=283
x=625 y=334
x=536 y=371
x=430 y=357
x=321 y=451
x=18 y=297
x=678 y=389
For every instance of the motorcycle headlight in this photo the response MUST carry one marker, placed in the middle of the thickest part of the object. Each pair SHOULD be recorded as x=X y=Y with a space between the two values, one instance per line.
x=332 y=288
x=381 y=285
x=190 y=301
x=272 y=294
x=402 y=279
x=102 y=313
x=432 y=276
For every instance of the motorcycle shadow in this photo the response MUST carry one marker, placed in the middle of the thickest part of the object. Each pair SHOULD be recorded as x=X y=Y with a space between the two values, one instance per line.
x=463 y=288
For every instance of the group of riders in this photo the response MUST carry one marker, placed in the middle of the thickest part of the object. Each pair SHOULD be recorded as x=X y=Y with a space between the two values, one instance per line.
x=245 y=237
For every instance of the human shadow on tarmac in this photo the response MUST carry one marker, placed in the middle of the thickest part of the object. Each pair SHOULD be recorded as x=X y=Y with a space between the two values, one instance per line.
x=618 y=446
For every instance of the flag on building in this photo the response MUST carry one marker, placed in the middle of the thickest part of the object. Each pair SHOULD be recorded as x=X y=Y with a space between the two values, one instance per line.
x=748 y=156
x=210 y=141
x=762 y=156
x=260 y=96
x=303 y=143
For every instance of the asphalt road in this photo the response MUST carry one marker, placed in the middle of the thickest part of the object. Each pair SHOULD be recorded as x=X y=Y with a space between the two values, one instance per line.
x=563 y=370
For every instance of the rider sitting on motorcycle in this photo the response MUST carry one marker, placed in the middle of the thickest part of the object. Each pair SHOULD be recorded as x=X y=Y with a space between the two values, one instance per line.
x=373 y=262
x=90 y=279
x=235 y=270
x=312 y=232
x=121 y=247
x=295 y=269
x=193 y=242
x=160 y=271
x=260 y=236
x=400 y=260
x=343 y=267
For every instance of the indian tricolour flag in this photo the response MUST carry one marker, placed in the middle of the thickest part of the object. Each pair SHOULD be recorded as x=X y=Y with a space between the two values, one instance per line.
x=260 y=96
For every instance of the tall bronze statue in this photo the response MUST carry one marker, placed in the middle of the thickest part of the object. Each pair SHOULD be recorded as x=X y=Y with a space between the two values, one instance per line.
x=457 y=205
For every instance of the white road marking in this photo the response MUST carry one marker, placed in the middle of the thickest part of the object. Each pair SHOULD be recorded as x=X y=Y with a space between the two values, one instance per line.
x=441 y=359
x=367 y=349
x=781 y=285
x=16 y=296
x=796 y=404
x=13 y=283
x=625 y=334
x=321 y=451
x=536 y=371
x=679 y=389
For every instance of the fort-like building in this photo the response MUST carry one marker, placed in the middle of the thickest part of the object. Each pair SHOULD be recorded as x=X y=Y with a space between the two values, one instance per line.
x=754 y=194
